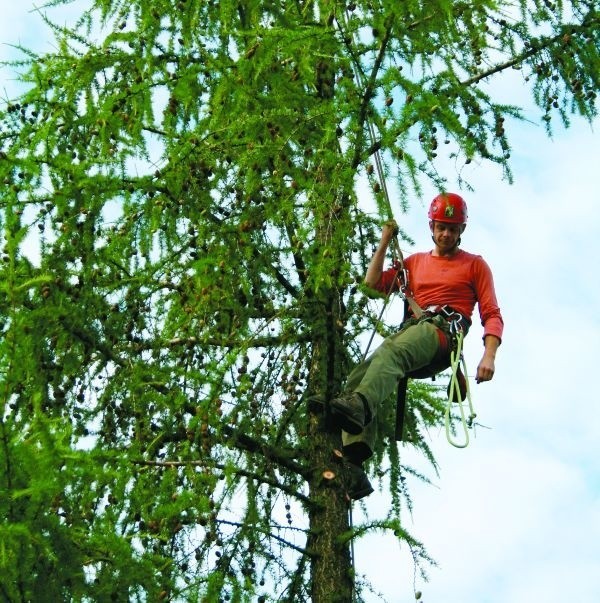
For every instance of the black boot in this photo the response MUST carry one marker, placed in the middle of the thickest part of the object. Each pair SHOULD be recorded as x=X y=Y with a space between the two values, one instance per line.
x=351 y=412
x=359 y=485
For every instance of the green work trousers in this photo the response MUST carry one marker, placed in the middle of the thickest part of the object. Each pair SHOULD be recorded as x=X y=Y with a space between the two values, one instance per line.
x=376 y=378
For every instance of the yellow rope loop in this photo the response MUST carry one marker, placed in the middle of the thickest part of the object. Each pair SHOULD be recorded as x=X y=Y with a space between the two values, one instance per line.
x=456 y=357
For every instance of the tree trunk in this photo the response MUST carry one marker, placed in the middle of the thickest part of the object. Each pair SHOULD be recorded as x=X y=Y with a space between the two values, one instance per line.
x=331 y=576
x=332 y=580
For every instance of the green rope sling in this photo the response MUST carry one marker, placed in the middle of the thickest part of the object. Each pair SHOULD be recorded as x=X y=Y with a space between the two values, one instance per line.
x=456 y=358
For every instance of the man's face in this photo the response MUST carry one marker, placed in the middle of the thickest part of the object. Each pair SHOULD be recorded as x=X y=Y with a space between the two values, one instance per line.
x=446 y=235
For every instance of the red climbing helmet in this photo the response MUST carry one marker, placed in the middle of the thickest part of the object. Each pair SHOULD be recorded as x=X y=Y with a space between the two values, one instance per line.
x=448 y=207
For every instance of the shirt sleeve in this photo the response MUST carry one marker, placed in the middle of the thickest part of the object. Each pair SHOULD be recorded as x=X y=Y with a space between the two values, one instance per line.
x=388 y=281
x=489 y=311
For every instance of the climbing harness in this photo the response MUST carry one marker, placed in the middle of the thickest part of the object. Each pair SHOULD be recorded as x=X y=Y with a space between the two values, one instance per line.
x=453 y=326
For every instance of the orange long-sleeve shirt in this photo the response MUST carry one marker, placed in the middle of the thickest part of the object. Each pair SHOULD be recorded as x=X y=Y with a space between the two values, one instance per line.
x=459 y=281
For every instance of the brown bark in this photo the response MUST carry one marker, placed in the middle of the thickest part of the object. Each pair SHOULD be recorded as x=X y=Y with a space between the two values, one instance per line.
x=332 y=579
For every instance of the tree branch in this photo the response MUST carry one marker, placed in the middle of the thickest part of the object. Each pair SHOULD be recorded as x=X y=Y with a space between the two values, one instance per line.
x=271 y=535
x=245 y=442
x=255 y=342
x=242 y=472
x=369 y=88
x=529 y=53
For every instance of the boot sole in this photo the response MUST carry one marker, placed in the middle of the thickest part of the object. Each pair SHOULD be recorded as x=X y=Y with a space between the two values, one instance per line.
x=358 y=494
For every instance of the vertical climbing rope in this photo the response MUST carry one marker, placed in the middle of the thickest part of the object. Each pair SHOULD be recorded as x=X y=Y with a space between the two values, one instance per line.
x=457 y=355
x=396 y=248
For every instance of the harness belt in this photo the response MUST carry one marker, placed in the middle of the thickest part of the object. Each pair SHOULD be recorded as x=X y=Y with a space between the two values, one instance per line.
x=457 y=321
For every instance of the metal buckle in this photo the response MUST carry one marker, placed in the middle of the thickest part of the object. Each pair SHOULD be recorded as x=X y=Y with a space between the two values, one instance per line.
x=402 y=276
x=456 y=319
x=447 y=312
x=453 y=317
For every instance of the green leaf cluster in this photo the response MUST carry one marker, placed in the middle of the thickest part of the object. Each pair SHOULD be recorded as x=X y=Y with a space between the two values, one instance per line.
x=182 y=244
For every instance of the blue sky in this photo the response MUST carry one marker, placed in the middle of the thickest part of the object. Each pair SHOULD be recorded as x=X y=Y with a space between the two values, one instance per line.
x=515 y=517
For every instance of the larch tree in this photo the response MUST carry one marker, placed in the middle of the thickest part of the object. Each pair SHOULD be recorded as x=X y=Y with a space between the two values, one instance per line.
x=182 y=258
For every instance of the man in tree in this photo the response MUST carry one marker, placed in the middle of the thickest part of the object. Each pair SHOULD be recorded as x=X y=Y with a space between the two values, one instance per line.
x=445 y=283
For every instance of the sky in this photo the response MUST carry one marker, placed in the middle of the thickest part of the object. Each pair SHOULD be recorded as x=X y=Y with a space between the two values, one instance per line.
x=515 y=516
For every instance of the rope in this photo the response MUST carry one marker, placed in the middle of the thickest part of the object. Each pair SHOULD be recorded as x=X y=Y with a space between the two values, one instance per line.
x=378 y=321
x=352 y=550
x=383 y=185
x=456 y=358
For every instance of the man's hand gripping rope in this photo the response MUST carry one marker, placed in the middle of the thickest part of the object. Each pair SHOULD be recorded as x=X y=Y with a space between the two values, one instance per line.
x=390 y=234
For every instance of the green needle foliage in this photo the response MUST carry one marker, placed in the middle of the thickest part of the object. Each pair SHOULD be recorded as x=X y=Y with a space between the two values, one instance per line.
x=181 y=252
